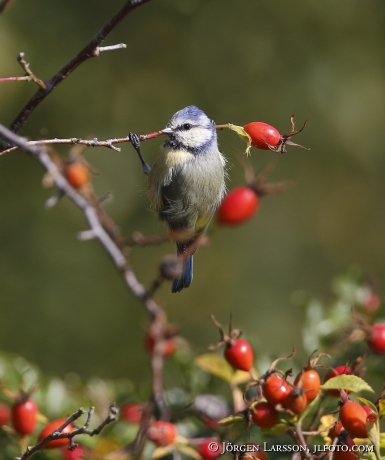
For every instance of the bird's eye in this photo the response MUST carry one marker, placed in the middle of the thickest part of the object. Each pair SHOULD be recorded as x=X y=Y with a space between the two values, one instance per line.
x=186 y=126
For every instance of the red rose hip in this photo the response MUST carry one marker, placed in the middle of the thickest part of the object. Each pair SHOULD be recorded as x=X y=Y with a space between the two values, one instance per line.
x=50 y=428
x=262 y=135
x=5 y=414
x=162 y=433
x=210 y=449
x=276 y=389
x=131 y=412
x=80 y=453
x=310 y=382
x=353 y=418
x=240 y=355
x=24 y=417
x=237 y=206
x=376 y=338
x=264 y=415
x=296 y=403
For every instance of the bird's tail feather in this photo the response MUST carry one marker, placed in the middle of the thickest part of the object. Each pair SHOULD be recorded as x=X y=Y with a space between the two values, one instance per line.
x=184 y=280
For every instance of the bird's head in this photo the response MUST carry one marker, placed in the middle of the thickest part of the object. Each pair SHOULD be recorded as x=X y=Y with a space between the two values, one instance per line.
x=190 y=129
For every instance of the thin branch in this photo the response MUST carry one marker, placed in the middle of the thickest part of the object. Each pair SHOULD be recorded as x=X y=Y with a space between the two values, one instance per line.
x=23 y=78
x=58 y=434
x=294 y=435
x=87 y=52
x=102 y=49
x=109 y=143
x=25 y=66
x=108 y=238
x=139 y=442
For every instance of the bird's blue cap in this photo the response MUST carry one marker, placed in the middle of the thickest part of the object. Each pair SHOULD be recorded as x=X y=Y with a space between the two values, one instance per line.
x=193 y=114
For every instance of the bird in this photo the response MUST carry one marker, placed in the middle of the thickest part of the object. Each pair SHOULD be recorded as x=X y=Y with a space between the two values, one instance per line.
x=187 y=183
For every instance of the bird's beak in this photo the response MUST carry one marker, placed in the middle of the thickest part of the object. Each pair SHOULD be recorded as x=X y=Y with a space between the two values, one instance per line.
x=167 y=131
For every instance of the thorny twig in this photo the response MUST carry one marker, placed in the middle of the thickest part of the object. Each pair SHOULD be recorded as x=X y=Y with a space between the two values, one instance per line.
x=58 y=434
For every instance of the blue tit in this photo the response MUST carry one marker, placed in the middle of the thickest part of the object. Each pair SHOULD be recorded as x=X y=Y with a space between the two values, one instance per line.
x=187 y=182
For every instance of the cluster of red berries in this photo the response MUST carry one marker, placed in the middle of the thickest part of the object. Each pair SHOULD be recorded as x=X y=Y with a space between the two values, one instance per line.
x=23 y=417
x=279 y=393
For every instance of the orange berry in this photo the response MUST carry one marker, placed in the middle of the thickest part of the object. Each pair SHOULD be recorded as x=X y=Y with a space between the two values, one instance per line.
x=162 y=433
x=77 y=174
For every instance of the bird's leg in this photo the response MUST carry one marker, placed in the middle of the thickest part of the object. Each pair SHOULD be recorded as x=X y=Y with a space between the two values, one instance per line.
x=134 y=139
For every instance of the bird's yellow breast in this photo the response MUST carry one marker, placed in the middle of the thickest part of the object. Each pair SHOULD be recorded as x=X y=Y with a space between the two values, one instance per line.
x=162 y=170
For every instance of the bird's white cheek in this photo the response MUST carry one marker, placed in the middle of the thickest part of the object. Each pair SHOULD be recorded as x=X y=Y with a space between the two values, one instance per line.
x=197 y=137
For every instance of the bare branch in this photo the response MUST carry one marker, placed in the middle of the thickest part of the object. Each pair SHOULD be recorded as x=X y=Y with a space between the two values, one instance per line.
x=102 y=49
x=109 y=143
x=24 y=78
x=25 y=66
x=87 y=52
x=58 y=434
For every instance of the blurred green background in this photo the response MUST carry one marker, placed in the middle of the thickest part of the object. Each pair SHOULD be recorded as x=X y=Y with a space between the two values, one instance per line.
x=63 y=306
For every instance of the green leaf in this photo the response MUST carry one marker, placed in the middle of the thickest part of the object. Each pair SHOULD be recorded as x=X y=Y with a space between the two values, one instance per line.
x=240 y=377
x=347 y=382
x=278 y=429
x=228 y=421
x=373 y=433
x=242 y=134
x=382 y=440
x=381 y=405
x=237 y=428
x=367 y=403
x=368 y=456
x=215 y=365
